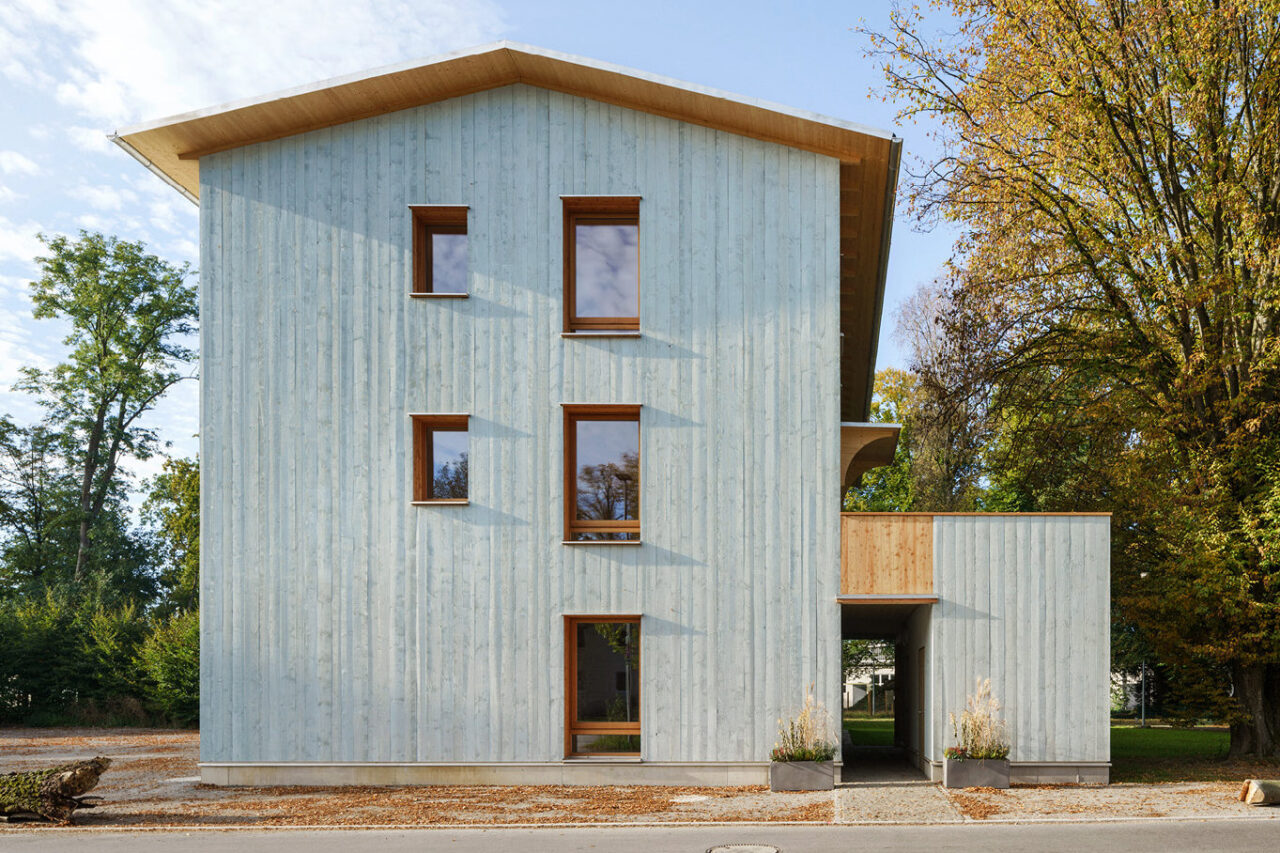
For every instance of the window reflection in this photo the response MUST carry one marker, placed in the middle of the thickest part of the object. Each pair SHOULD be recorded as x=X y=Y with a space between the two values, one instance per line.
x=606 y=269
x=449 y=460
x=608 y=457
x=448 y=262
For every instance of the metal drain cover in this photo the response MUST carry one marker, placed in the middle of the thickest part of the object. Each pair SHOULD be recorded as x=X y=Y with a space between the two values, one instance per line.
x=743 y=848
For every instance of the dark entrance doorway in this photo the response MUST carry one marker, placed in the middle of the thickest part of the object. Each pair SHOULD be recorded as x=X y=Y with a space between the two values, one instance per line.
x=884 y=725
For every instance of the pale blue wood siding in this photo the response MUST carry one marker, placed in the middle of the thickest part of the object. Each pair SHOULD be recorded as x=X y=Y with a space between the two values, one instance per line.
x=1024 y=601
x=340 y=623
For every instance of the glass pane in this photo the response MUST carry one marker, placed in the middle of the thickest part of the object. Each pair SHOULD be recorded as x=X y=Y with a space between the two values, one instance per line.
x=449 y=456
x=448 y=263
x=608 y=471
x=607 y=270
x=608 y=672
x=606 y=536
x=584 y=744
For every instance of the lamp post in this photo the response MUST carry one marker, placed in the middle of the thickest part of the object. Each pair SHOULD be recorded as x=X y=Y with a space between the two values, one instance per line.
x=625 y=480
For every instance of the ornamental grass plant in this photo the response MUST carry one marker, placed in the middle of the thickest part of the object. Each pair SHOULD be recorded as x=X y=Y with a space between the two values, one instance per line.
x=808 y=736
x=979 y=732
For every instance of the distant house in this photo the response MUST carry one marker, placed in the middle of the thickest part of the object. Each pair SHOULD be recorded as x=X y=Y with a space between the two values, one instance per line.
x=530 y=386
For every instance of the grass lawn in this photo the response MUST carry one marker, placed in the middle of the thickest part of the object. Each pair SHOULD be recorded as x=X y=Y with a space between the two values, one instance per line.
x=869 y=731
x=1162 y=754
x=1157 y=754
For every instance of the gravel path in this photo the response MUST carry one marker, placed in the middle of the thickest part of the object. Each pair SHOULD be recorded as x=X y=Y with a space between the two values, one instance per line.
x=153 y=782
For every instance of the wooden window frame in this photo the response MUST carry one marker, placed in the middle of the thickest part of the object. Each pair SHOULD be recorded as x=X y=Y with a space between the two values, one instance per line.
x=596 y=210
x=573 y=414
x=424 y=453
x=430 y=219
x=572 y=727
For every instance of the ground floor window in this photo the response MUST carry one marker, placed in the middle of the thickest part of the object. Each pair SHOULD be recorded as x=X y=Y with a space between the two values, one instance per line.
x=602 y=685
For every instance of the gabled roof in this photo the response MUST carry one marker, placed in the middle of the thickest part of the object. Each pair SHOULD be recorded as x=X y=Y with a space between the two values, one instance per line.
x=172 y=146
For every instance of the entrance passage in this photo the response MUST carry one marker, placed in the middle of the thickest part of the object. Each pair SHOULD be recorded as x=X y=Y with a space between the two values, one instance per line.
x=884 y=691
x=868 y=692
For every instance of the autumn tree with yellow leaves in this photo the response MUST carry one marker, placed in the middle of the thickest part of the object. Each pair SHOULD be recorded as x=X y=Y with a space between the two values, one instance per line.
x=1113 y=168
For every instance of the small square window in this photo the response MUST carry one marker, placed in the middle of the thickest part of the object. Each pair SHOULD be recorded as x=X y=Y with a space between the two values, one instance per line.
x=440 y=458
x=440 y=265
x=602 y=263
x=602 y=473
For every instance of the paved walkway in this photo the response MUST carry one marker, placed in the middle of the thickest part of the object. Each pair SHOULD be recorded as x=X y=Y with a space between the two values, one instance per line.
x=1149 y=837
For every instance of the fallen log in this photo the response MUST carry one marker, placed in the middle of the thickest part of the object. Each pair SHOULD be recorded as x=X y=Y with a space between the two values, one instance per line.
x=1260 y=792
x=52 y=794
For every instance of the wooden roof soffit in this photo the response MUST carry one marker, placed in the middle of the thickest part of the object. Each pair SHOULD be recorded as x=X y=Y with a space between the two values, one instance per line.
x=172 y=147
x=865 y=446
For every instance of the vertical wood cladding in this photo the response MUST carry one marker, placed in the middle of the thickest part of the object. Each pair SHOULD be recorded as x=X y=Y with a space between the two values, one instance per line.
x=341 y=623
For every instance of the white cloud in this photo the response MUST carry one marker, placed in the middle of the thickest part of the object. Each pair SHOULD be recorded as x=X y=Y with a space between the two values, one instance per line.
x=19 y=242
x=104 y=196
x=7 y=195
x=13 y=163
x=12 y=284
x=89 y=139
x=125 y=60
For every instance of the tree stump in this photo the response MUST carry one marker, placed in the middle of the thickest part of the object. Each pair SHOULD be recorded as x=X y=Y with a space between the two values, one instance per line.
x=52 y=794
x=1260 y=792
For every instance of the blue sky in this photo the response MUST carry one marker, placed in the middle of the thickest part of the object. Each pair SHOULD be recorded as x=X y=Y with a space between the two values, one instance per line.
x=73 y=70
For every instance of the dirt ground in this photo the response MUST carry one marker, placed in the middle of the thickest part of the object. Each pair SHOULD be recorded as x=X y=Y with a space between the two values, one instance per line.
x=153 y=782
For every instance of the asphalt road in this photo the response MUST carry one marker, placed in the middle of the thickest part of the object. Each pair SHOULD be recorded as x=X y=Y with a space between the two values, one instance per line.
x=1137 y=837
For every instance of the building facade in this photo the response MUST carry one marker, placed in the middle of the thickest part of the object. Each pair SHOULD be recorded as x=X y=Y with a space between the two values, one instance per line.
x=523 y=383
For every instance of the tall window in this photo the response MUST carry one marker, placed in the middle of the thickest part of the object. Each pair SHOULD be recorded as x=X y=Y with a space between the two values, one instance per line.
x=602 y=264
x=439 y=250
x=602 y=473
x=439 y=458
x=602 y=684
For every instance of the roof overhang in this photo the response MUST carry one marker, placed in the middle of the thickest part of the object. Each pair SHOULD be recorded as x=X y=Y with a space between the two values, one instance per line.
x=173 y=146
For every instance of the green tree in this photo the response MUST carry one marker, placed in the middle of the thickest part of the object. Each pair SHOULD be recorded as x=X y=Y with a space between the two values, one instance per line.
x=34 y=505
x=890 y=488
x=1114 y=169
x=170 y=657
x=128 y=313
x=172 y=510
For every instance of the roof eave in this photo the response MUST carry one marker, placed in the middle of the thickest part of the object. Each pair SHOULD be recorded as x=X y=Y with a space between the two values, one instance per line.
x=172 y=146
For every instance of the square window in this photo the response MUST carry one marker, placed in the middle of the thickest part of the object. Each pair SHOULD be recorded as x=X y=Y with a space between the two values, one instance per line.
x=440 y=458
x=602 y=263
x=439 y=250
x=602 y=685
x=602 y=473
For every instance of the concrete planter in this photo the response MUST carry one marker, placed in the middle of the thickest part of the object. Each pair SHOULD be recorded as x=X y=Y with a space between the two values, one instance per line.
x=802 y=775
x=975 y=773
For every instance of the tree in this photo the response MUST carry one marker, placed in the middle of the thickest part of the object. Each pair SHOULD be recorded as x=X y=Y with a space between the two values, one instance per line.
x=861 y=658
x=890 y=488
x=172 y=509
x=451 y=480
x=610 y=491
x=1114 y=169
x=34 y=495
x=128 y=311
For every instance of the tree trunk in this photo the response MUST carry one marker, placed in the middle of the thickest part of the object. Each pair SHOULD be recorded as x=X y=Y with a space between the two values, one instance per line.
x=86 y=487
x=1260 y=792
x=52 y=794
x=1257 y=689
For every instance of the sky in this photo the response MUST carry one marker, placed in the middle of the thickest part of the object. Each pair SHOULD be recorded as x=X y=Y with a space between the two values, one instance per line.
x=72 y=71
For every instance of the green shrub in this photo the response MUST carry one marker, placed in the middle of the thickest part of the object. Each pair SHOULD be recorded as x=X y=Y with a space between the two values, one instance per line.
x=171 y=659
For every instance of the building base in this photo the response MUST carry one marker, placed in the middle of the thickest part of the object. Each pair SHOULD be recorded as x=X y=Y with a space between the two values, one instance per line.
x=570 y=772
x=1043 y=772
